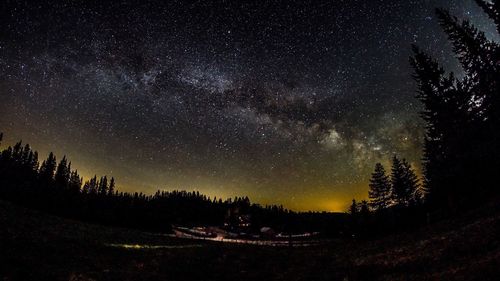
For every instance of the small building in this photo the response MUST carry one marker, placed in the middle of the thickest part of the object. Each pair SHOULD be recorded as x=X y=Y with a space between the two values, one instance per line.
x=267 y=232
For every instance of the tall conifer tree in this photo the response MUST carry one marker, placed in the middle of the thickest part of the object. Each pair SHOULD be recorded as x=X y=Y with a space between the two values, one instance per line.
x=461 y=152
x=380 y=188
x=48 y=168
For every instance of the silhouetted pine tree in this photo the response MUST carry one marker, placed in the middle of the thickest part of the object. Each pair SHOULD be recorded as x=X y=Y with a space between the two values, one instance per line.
x=29 y=160
x=90 y=186
x=353 y=209
x=93 y=185
x=62 y=175
x=412 y=186
x=364 y=208
x=364 y=215
x=47 y=169
x=397 y=181
x=17 y=152
x=380 y=188
x=103 y=186
x=75 y=181
x=405 y=186
x=461 y=154
x=111 y=188
x=32 y=161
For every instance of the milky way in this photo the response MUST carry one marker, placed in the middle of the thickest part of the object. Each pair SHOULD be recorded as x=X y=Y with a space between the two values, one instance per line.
x=288 y=102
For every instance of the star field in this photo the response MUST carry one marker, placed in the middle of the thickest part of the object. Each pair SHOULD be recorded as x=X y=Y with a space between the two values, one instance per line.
x=288 y=102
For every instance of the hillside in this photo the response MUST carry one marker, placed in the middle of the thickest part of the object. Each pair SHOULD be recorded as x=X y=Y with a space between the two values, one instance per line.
x=36 y=246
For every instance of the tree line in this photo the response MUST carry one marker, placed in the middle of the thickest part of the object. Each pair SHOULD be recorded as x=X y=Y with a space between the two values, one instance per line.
x=54 y=186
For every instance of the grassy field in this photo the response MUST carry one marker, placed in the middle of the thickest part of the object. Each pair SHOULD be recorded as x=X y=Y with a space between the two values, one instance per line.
x=36 y=246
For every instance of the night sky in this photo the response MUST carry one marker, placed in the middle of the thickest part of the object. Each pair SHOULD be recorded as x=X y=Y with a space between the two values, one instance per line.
x=288 y=102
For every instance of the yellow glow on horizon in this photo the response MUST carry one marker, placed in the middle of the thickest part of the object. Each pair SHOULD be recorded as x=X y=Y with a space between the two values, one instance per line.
x=334 y=198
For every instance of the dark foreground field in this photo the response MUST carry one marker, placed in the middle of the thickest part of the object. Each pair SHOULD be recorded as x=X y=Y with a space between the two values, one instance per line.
x=36 y=246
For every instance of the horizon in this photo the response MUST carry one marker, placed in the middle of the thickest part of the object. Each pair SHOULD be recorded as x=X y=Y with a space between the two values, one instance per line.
x=286 y=103
x=339 y=206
